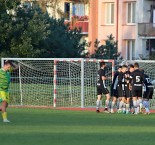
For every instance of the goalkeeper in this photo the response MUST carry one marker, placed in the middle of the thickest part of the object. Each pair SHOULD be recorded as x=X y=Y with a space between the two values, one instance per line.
x=4 y=85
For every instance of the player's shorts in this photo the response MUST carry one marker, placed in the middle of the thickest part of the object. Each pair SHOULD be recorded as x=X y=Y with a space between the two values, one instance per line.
x=102 y=90
x=114 y=92
x=149 y=93
x=136 y=91
x=121 y=93
x=4 y=96
x=127 y=92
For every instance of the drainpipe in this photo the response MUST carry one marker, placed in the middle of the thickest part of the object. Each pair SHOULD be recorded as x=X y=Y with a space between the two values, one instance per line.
x=117 y=7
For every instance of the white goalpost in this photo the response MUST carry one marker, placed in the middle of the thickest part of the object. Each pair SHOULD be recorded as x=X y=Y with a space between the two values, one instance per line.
x=57 y=82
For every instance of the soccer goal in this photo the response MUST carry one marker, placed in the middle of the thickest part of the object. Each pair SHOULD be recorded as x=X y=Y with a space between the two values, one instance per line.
x=56 y=82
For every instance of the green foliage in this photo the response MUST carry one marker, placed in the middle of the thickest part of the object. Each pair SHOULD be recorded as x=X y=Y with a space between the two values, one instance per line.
x=107 y=51
x=64 y=42
x=32 y=33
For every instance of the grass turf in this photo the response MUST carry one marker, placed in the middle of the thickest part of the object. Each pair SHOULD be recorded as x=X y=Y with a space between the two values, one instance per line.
x=57 y=127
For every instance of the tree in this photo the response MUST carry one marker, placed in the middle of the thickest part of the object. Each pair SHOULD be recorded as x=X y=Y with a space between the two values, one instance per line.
x=107 y=51
x=63 y=41
x=22 y=32
x=32 y=33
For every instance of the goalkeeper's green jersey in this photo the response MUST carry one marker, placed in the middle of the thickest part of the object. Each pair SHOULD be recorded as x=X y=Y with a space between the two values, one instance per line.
x=4 y=80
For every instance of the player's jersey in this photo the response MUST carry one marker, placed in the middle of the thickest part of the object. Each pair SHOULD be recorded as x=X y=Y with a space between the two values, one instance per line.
x=127 y=78
x=147 y=82
x=137 y=78
x=101 y=82
x=4 y=80
x=121 y=80
x=115 y=80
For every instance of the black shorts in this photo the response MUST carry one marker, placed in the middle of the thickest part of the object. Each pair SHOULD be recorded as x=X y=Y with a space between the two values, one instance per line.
x=136 y=91
x=114 y=92
x=128 y=92
x=102 y=90
x=149 y=93
x=121 y=93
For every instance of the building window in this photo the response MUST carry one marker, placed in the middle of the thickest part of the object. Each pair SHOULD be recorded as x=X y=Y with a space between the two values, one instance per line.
x=67 y=10
x=130 y=49
x=109 y=13
x=79 y=9
x=75 y=9
x=131 y=12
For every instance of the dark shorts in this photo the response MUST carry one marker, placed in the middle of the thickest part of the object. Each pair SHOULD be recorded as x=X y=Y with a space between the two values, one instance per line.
x=102 y=90
x=128 y=93
x=136 y=91
x=148 y=94
x=114 y=92
x=121 y=93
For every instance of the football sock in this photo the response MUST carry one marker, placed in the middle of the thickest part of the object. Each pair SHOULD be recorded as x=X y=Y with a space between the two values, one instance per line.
x=97 y=104
x=106 y=103
x=4 y=115
x=121 y=105
x=140 y=104
x=117 y=104
x=135 y=106
x=147 y=105
x=112 y=105
x=127 y=108
x=124 y=105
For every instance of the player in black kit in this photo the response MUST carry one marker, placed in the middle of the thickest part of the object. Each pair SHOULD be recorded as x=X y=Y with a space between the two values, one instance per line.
x=114 y=92
x=121 y=88
x=101 y=88
x=137 y=82
x=148 y=93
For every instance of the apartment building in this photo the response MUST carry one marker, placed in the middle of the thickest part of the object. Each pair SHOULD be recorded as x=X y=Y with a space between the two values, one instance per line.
x=75 y=12
x=132 y=23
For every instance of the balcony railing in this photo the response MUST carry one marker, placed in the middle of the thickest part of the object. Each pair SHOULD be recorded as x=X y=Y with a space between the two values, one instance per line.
x=146 y=29
x=79 y=24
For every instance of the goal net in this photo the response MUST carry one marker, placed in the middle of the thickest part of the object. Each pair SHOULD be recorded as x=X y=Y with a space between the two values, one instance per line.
x=56 y=82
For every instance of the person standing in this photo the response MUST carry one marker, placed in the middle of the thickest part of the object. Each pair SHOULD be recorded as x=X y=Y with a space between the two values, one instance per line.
x=102 y=88
x=137 y=79
x=121 y=89
x=114 y=91
x=148 y=93
x=4 y=86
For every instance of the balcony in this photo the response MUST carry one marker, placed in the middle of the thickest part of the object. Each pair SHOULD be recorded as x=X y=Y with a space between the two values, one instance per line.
x=146 y=29
x=79 y=24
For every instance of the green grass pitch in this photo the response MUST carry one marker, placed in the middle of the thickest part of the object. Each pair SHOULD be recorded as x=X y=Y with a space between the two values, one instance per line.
x=59 y=127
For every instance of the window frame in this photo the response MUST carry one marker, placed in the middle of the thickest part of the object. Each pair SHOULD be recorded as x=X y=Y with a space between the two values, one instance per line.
x=133 y=9
x=130 y=47
x=110 y=15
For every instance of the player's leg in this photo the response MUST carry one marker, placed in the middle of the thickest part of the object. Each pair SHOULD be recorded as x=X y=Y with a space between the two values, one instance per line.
x=128 y=97
x=127 y=105
x=124 y=104
x=4 y=113
x=147 y=96
x=134 y=98
x=120 y=95
x=139 y=105
x=98 y=102
x=113 y=104
x=114 y=100
x=5 y=100
x=139 y=100
x=107 y=103
x=99 y=97
x=146 y=104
